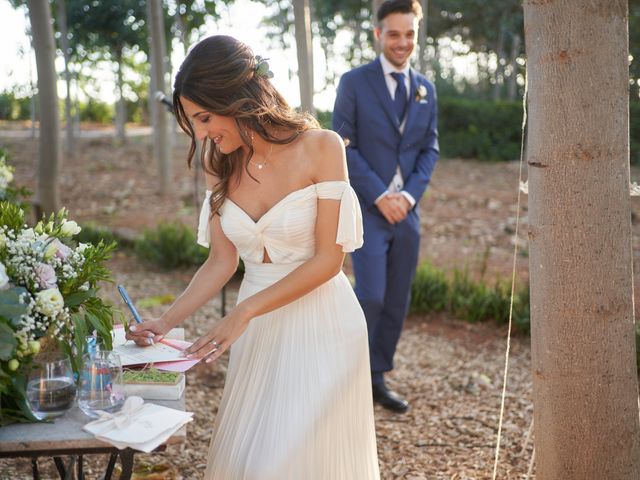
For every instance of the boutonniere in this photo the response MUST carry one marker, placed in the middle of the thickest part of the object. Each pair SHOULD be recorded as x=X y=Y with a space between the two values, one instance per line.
x=421 y=94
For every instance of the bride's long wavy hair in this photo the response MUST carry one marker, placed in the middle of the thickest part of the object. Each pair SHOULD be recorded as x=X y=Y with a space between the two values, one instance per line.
x=220 y=74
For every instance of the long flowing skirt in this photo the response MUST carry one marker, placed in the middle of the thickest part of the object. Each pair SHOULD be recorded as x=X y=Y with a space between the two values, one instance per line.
x=297 y=400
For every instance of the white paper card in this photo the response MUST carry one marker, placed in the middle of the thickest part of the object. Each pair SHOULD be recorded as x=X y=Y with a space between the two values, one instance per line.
x=132 y=354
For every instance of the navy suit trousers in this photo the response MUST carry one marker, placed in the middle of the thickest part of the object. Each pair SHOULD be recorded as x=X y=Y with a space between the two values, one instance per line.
x=384 y=269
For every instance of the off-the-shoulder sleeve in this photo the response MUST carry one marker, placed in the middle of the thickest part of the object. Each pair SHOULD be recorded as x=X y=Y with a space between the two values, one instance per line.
x=350 y=233
x=204 y=233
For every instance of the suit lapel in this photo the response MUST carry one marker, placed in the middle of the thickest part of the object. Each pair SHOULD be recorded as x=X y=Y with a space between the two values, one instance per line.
x=412 y=107
x=375 y=75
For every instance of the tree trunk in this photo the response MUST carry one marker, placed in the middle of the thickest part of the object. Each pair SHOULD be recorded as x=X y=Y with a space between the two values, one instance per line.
x=49 y=145
x=159 y=119
x=422 y=38
x=121 y=107
x=76 y=119
x=33 y=97
x=304 y=49
x=64 y=45
x=512 y=92
x=585 y=389
x=499 y=73
x=32 y=113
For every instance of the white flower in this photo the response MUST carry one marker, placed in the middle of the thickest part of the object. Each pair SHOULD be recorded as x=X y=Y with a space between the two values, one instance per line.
x=28 y=234
x=49 y=302
x=81 y=247
x=69 y=228
x=4 y=278
x=6 y=175
x=421 y=93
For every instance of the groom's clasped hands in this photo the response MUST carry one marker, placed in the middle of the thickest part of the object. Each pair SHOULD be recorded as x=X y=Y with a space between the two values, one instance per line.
x=394 y=207
x=208 y=347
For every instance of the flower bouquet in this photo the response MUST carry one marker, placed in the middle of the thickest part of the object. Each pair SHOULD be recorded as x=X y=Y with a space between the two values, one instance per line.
x=48 y=299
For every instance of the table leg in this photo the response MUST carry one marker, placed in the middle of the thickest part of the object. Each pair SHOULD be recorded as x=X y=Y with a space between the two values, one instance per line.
x=126 y=458
x=60 y=466
x=69 y=472
x=80 y=469
x=34 y=468
x=110 y=466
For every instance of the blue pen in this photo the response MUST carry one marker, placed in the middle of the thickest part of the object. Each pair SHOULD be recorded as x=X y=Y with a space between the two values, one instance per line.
x=127 y=300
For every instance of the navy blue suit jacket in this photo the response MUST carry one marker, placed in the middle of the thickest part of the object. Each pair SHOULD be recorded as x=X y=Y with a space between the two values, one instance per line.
x=364 y=115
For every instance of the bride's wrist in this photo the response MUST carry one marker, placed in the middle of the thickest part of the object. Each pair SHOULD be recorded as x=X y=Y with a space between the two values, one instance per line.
x=243 y=310
x=166 y=324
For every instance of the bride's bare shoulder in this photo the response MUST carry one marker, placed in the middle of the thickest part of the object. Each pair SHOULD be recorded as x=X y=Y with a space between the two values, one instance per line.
x=325 y=155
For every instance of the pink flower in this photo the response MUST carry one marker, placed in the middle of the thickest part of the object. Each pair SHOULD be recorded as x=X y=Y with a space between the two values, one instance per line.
x=46 y=275
x=63 y=251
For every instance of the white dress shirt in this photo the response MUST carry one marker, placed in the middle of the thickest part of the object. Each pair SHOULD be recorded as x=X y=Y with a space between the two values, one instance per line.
x=397 y=183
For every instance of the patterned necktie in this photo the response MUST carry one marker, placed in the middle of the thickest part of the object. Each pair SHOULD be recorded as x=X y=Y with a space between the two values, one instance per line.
x=400 y=97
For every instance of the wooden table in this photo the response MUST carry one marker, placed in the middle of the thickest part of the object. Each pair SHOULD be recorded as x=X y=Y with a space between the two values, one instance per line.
x=65 y=437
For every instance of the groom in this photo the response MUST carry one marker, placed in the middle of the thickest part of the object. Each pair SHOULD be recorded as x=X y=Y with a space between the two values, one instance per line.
x=386 y=111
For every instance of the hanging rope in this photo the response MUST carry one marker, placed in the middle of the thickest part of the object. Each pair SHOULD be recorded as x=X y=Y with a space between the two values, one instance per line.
x=513 y=280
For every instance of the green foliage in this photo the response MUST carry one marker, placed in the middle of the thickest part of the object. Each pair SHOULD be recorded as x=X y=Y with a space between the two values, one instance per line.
x=430 y=289
x=479 y=129
x=324 y=118
x=171 y=245
x=474 y=301
x=13 y=107
x=11 y=215
x=94 y=234
x=96 y=111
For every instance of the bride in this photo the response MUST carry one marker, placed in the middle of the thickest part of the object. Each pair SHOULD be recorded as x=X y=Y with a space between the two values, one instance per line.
x=297 y=401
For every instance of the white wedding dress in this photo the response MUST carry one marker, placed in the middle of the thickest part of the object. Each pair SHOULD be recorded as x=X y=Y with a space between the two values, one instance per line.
x=297 y=402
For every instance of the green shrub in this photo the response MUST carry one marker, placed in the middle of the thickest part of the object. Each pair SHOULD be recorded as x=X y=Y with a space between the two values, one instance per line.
x=522 y=311
x=96 y=111
x=485 y=130
x=171 y=245
x=13 y=107
x=429 y=290
x=92 y=233
x=474 y=301
x=324 y=118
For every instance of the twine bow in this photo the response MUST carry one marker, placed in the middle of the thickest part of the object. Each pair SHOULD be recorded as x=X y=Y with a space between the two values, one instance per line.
x=132 y=407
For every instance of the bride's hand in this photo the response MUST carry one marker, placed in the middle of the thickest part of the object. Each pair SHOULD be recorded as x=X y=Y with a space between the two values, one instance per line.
x=217 y=340
x=148 y=332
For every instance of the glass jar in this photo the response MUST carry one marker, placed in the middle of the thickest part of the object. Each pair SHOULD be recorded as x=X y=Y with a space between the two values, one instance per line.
x=51 y=389
x=101 y=383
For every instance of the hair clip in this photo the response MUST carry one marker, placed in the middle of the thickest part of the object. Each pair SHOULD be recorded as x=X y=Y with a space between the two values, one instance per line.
x=262 y=67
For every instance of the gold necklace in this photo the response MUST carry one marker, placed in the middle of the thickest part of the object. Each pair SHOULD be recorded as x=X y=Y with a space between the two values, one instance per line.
x=263 y=164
